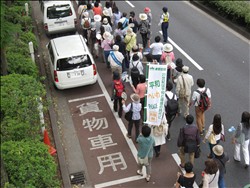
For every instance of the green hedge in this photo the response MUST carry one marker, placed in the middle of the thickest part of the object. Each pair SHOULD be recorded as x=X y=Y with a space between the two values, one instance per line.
x=237 y=10
x=29 y=164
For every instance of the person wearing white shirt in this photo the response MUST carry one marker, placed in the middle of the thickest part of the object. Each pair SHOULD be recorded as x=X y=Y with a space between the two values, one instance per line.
x=217 y=129
x=157 y=48
x=200 y=115
x=116 y=60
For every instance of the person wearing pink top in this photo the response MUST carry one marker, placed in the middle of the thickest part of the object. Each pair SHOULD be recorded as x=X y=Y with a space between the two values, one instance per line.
x=141 y=90
x=167 y=51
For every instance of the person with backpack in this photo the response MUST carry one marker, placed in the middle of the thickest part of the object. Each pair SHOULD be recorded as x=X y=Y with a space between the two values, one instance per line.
x=171 y=106
x=144 y=28
x=135 y=106
x=201 y=99
x=116 y=59
x=135 y=69
x=183 y=88
x=118 y=88
x=164 y=22
x=86 y=21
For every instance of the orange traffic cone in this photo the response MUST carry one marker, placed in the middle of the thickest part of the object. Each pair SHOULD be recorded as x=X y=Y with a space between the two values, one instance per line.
x=46 y=141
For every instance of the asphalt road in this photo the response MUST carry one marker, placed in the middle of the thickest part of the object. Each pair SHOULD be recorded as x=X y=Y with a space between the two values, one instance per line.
x=223 y=57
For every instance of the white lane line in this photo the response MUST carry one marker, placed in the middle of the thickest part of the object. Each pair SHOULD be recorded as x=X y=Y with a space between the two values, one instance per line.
x=115 y=182
x=85 y=98
x=184 y=53
x=178 y=161
x=130 y=4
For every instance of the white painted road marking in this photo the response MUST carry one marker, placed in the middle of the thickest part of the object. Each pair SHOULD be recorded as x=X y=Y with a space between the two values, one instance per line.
x=130 y=4
x=184 y=53
x=85 y=98
x=178 y=161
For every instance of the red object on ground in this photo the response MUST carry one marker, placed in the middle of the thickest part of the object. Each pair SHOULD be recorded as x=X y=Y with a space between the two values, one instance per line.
x=46 y=141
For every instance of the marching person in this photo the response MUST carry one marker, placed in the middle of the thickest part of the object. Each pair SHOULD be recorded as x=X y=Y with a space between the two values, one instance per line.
x=116 y=60
x=164 y=22
x=145 y=149
x=200 y=113
x=136 y=108
x=186 y=180
x=188 y=140
x=130 y=41
x=157 y=48
x=184 y=84
x=117 y=88
x=215 y=130
x=221 y=158
x=241 y=139
x=210 y=175
x=106 y=46
x=144 y=29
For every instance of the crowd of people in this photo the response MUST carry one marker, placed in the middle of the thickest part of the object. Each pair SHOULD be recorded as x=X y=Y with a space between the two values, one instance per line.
x=115 y=33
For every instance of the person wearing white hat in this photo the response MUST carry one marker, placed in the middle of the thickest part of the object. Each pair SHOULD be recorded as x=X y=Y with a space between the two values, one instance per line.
x=167 y=51
x=116 y=60
x=105 y=24
x=105 y=14
x=86 y=24
x=106 y=46
x=184 y=85
x=130 y=41
x=94 y=32
x=136 y=108
x=144 y=29
x=221 y=158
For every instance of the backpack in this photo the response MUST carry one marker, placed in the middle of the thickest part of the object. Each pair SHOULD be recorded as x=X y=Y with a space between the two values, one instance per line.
x=86 y=23
x=165 y=17
x=135 y=73
x=204 y=101
x=93 y=34
x=172 y=106
x=119 y=88
x=144 y=27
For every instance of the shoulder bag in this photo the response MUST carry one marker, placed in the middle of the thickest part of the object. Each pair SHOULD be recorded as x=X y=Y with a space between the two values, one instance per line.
x=129 y=114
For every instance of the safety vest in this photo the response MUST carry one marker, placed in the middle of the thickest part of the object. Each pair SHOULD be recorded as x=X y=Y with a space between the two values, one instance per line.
x=165 y=17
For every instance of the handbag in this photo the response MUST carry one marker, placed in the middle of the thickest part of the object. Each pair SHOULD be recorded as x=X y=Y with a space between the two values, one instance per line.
x=211 y=138
x=158 y=130
x=197 y=153
x=222 y=137
x=129 y=114
x=183 y=90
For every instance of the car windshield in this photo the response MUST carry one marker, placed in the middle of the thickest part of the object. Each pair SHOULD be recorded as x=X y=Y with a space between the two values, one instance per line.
x=74 y=62
x=59 y=11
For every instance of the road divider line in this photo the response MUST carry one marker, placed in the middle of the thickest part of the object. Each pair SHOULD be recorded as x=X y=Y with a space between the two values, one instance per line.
x=184 y=53
x=85 y=98
x=178 y=161
x=116 y=182
x=130 y=4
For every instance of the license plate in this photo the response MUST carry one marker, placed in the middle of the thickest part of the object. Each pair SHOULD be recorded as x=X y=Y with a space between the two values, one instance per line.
x=76 y=74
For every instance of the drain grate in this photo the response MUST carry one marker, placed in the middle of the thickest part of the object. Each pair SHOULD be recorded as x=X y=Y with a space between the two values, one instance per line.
x=77 y=178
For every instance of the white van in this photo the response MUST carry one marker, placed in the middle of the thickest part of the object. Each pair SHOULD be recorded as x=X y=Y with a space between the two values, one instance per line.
x=71 y=63
x=59 y=17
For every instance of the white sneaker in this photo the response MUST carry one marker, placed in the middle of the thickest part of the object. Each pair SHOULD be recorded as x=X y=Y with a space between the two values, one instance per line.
x=147 y=178
x=139 y=172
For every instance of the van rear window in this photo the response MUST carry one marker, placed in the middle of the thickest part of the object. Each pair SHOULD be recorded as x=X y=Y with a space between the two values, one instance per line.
x=74 y=62
x=59 y=11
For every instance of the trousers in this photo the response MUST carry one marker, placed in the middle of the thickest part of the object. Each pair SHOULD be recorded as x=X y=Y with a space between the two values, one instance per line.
x=245 y=151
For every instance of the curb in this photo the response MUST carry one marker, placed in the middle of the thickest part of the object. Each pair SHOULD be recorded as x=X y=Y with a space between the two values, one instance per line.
x=227 y=22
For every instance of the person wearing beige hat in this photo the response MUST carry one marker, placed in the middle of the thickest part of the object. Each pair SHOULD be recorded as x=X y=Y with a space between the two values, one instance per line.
x=136 y=108
x=106 y=46
x=86 y=24
x=144 y=29
x=116 y=60
x=167 y=52
x=105 y=14
x=184 y=84
x=221 y=158
x=130 y=41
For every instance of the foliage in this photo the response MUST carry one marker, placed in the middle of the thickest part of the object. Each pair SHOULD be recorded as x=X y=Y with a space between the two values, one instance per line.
x=27 y=37
x=235 y=9
x=19 y=94
x=15 y=130
x=20 y=64
x=29 y=164
x=19 y=47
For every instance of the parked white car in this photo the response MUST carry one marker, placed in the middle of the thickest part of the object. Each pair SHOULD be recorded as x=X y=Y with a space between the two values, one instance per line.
x=71 y=63
x=59 y=17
